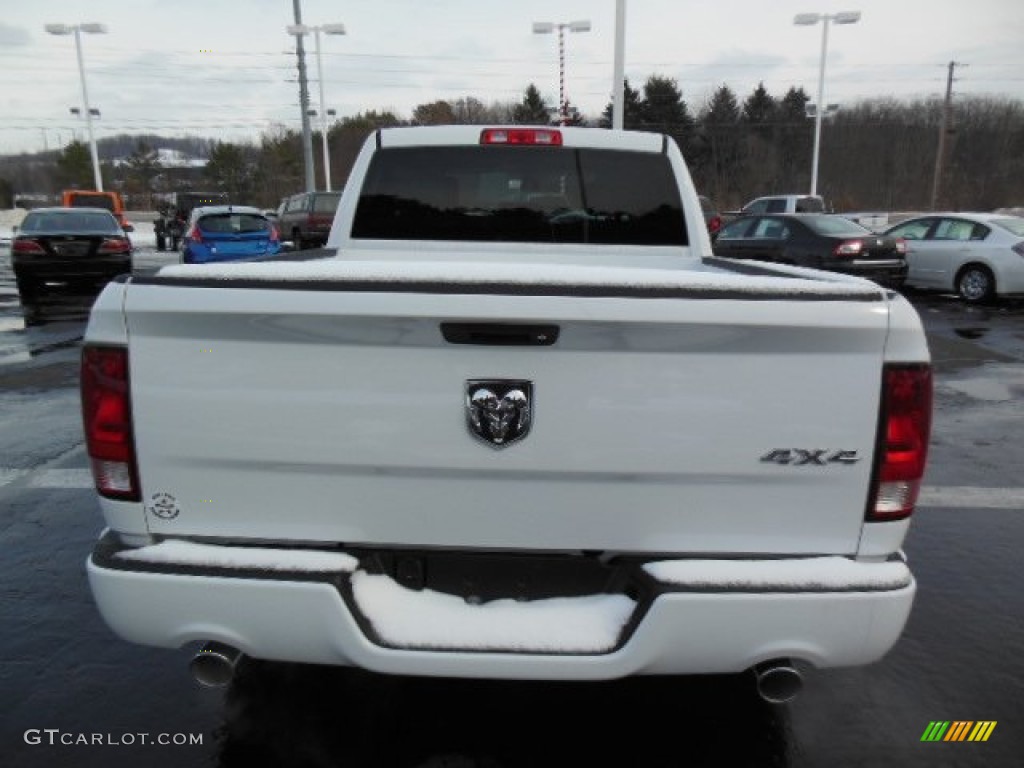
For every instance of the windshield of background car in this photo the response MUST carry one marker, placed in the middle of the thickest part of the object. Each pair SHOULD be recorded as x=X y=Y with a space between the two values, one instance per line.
x=520 y=194
x=326 y=203
x=1013 y=226
x=92 y=201
x=234 y=223
x=71 y=222
x=835 y=226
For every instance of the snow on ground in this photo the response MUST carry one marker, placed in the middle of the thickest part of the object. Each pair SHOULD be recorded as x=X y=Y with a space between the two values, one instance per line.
x=9 y=219
x=143 y=236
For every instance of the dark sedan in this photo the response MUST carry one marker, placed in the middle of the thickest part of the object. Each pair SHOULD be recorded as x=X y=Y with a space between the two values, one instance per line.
x=69 y=249
x=820 y=241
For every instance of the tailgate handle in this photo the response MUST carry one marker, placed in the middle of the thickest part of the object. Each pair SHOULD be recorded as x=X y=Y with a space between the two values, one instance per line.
x=500 y=334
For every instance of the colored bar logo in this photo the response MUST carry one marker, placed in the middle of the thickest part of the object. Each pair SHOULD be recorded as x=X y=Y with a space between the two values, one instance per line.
x=958 y=730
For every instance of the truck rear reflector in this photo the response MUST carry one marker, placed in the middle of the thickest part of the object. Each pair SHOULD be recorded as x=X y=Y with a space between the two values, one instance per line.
x=543 y=137
x=107 y=419
x=902 y=452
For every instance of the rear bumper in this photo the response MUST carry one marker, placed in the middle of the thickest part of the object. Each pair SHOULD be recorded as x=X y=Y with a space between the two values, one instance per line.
x=78 y=271
x=678 y=625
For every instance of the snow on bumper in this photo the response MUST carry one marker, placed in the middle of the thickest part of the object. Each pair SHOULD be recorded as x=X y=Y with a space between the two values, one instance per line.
x=692 y=617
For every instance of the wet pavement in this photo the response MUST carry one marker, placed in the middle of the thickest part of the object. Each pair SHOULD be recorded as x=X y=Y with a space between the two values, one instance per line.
x=66 y=678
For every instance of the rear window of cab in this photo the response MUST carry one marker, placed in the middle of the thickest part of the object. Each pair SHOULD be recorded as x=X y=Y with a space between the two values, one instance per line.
x=520 y=194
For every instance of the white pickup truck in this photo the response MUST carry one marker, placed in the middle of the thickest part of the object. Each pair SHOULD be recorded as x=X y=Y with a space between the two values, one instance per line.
x=515 y=421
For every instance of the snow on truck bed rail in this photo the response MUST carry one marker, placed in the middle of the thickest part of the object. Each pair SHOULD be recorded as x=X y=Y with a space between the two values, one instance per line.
x=693 y=274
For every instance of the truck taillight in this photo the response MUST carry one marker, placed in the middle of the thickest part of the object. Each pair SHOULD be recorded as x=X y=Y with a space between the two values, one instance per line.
x=107 y=418
x=902 y=452
x=545 y=137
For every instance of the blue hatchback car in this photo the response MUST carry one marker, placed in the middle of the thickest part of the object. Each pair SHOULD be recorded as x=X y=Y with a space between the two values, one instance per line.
x=229 y=233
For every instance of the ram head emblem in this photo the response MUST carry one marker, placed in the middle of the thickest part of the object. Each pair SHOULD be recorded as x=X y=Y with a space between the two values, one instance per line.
x=499 y=411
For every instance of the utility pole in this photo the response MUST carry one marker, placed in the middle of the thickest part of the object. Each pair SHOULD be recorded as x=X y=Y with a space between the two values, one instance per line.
x=944 y=130
x=307 y=137
x=619 y=78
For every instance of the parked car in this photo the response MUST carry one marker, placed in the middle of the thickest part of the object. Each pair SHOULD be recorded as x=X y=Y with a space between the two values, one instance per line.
x=977 y=255
x=228 y=233
x=306 y=218
x=68 y=248
x=817 y=240
x=712 y=218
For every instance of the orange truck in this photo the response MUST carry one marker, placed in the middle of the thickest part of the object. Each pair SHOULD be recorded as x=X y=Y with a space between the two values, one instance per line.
x=93 y=198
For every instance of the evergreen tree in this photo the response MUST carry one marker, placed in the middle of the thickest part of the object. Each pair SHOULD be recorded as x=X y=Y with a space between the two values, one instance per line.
x=663 y=109
x=231 y=169
x=142 y=166
x=760 y=110
x=279 y=172
x=795 y=139
x=533 y=110
x=631 y=109
x=720 y=129
x=74 y=167
x=760 y=114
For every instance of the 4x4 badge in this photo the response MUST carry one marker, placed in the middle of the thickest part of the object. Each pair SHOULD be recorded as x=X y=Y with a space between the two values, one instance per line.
x=499 y=411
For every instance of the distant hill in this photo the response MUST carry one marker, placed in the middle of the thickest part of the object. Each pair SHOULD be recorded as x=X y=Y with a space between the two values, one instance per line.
x=112 y=148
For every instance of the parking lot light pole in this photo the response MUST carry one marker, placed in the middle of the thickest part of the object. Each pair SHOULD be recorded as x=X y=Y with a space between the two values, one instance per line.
x=808 y=20
x=331 y=29
x=546 y=28
x=76 y=30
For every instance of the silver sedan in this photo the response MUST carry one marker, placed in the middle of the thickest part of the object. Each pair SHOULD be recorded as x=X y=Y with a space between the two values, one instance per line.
x=977 y=255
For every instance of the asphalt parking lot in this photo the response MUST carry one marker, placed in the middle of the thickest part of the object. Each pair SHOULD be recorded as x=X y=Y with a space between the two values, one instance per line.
x=66 y=678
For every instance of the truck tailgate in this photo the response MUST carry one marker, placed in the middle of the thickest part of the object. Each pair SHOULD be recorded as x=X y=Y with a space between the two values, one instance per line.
x=659 y=424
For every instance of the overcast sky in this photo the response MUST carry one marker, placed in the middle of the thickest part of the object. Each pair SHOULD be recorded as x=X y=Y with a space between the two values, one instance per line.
x=227 y=69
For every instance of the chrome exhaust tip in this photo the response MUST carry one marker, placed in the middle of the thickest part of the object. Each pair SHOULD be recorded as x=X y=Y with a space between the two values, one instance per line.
x=214 y=665
x=778 y=681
